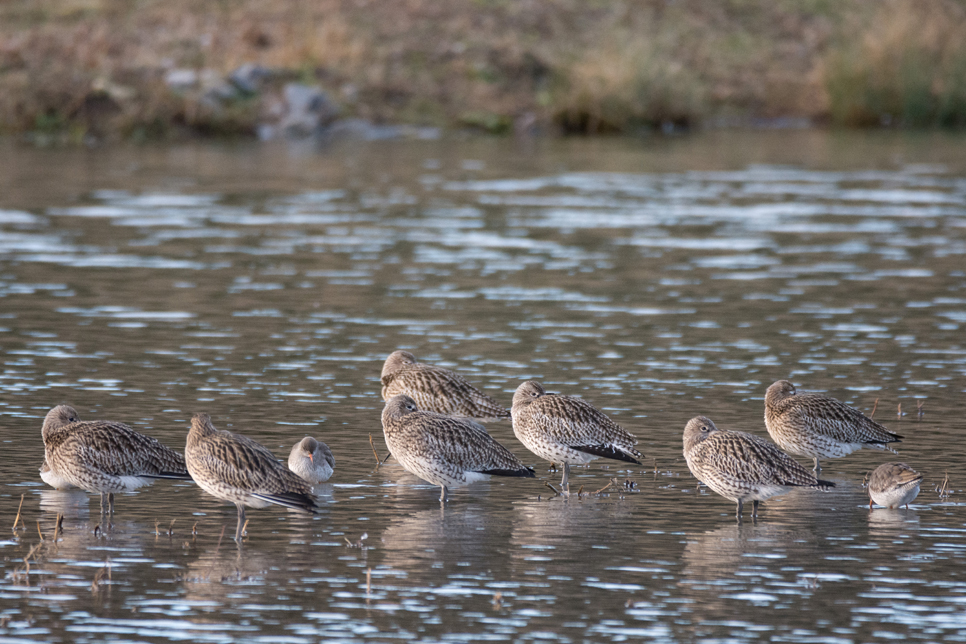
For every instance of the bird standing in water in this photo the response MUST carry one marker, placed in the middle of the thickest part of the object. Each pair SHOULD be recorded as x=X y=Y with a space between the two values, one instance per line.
x=237 y=469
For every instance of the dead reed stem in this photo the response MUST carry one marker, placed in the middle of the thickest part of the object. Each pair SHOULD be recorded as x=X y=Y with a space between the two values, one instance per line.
x=18 y=513
x=373 y=446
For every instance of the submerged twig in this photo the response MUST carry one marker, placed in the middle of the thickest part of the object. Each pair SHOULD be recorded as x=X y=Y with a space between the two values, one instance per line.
x=373 y=446
x=58 y=526
x=944 y=488
x=555 y=490
x=219 y=539
x=920 y=412
x=899 y=412
x=609 y=483
x=875 y=406
x=16 y=520
x=99 y=576
x=39 y=531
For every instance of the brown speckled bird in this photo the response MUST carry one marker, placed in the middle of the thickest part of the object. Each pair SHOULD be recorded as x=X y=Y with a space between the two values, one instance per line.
x=103 y=456
x=817 y=426
x=442 y=450
x=742 y=467
x=436 y=389
x=236 y=469
x=568 y=430
x=893 y=485
x=312 y=460
x=53 y=479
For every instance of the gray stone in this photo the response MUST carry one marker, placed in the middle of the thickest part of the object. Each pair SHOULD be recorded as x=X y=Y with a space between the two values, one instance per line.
x=307 y=110
x=181 y=80
x=249 y=78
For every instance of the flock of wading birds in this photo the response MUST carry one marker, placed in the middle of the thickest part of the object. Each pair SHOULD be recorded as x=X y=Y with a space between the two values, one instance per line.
x=431 y=423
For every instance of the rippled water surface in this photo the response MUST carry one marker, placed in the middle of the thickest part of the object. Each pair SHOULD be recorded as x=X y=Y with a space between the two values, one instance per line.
x=660 y=279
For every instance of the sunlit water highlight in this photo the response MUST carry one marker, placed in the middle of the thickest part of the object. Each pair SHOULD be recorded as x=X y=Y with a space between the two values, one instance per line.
x=659 y=279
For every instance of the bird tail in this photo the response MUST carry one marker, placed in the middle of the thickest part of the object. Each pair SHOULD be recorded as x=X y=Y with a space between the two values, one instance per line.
x=610 y=451
x=178 y=476
x=526 y=472
x=293 y=500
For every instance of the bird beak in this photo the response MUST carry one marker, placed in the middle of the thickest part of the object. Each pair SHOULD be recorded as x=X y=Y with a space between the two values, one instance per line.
x=312 y=458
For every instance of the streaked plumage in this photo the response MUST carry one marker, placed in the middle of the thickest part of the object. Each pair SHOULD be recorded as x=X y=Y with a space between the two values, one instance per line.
x=568 y=430
x=442 y=450
x=103 y=456
x=236 y=469
x=893 y=485
x=742 y=467
x=312 y=460
x=436 y=389
x=818 y=426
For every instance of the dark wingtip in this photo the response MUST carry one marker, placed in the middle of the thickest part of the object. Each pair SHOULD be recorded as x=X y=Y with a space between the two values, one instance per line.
x=526 y=473
x=606 y=451
x=178 y=476
x=293 y=500
x=825 y=484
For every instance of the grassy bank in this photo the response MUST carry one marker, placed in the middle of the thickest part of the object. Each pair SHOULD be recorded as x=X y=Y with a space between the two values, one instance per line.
x=103 y=68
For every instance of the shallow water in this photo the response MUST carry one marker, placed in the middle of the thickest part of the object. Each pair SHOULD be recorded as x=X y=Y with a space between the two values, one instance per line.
x=660 y=279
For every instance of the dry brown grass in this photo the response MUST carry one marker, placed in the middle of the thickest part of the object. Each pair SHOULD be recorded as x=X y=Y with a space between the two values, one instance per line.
x=82 y=67
x=908 y=65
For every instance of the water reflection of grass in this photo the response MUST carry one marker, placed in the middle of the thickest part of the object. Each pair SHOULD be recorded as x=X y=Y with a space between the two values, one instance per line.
x=80 y=67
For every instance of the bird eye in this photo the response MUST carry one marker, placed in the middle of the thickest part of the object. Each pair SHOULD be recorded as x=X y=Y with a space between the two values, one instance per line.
x=704 y=428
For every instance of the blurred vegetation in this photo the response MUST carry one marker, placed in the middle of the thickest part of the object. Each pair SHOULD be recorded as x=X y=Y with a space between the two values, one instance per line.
x=99 y=68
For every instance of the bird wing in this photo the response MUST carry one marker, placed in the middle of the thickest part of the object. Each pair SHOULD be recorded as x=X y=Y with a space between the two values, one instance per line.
x=460 y=441
x=578 y=424
x=839 y=421
x=243 y=463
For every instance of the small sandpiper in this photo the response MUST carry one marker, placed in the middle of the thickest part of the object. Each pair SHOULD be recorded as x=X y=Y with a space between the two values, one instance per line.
x=742 y=467
x=443 y=450
x=818 y=426
x=568 y=430
x=437 y=389
x=103 y=456
x=893 y=485
x=312 y=460
x=237 y=469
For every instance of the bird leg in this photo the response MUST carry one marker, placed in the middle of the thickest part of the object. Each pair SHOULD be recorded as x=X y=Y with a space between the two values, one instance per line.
x=754 y=509
x=565 y=481
x=110 y=502
x=103 y=498
x=817 y=468
x=740 y=508
x=443 y=494
x=241 y=521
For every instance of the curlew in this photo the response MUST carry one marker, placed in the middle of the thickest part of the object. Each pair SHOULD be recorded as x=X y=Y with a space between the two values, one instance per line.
x=103 y=456
x=742 y=467
x=818 y=426
x=568 y=430
x=442 y=450
x=436 y=389
x=236 y=469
